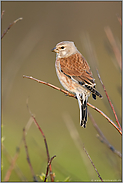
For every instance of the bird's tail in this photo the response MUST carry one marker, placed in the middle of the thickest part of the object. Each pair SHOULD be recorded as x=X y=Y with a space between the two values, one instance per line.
x=83 y=111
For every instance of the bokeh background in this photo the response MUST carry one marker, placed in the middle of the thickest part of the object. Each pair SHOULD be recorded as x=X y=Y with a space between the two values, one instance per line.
x=26 y=50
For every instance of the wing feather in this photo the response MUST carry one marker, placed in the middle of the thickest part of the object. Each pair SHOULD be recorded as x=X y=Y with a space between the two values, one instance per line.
x=77 y=67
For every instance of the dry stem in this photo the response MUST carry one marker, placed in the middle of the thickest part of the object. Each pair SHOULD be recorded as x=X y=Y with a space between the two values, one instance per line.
x=6 y=31
x=114 y=45
x=109 y=101
x=72 y=95
x=102 y=137
x=92 y=164
x=48 y=167
x=16 y=167
x=46 y=145
x=14 y=159
x=28 y=159
x=78 y=142
x=110 y=121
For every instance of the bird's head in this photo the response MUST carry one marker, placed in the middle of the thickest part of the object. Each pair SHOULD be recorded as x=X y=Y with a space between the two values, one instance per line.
x=65 y=49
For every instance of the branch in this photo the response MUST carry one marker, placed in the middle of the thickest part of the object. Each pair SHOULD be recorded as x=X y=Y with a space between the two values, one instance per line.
x=28 y=159
x=92 y=163
x=109 y=101
x=114 y=45
x=14 y=159
x=16 y=168
x=6 y=31
x=47 y=151
x=78 y=142
x=72 y=95
x=48 y=167
x=110 y=121
x=48 y=84
x=102 y=137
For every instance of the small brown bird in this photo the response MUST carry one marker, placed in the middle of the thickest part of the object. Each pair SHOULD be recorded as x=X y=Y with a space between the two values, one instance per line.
x=75 y=75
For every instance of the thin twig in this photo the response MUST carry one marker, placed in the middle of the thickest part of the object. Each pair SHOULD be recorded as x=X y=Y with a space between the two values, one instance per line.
x=114 y=45
x=72 y=95
x=92 y=163
x=110 y=146
x=28 y=159
x=6 y=31
x=48 y=84
x=78 y=142
x=14 y=159
x=119 y=19
x=110 y=121
x=48 y=168
x=101 y=135
x=16 y=167
x=2 y=14
x=46 y=145
x=109 y=101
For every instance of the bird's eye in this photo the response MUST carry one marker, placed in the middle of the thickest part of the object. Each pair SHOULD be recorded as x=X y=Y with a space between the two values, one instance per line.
x=62 y=47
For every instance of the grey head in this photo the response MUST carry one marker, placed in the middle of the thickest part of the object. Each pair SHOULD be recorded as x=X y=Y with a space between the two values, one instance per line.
x=65 y=49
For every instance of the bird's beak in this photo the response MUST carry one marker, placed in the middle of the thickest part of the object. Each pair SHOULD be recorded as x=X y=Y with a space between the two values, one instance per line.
x=54 y=49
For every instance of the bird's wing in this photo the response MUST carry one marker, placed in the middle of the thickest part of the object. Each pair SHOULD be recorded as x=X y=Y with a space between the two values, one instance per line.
x=76 y=66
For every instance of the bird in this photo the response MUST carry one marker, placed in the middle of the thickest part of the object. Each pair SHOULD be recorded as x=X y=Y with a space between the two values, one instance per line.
x=75 y=75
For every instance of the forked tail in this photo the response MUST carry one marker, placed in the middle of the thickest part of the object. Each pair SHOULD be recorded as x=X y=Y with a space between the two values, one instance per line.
x=83 y=110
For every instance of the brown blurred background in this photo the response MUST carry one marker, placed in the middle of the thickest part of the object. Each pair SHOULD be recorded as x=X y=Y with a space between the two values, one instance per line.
x=26 y=50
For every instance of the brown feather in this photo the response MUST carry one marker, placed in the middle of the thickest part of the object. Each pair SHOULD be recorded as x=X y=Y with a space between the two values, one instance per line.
x=77 y=67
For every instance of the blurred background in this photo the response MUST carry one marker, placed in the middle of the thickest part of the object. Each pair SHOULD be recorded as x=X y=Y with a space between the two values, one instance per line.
x=26 y=50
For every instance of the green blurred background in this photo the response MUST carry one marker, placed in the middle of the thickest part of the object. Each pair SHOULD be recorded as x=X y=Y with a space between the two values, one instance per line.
x=26 y=50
